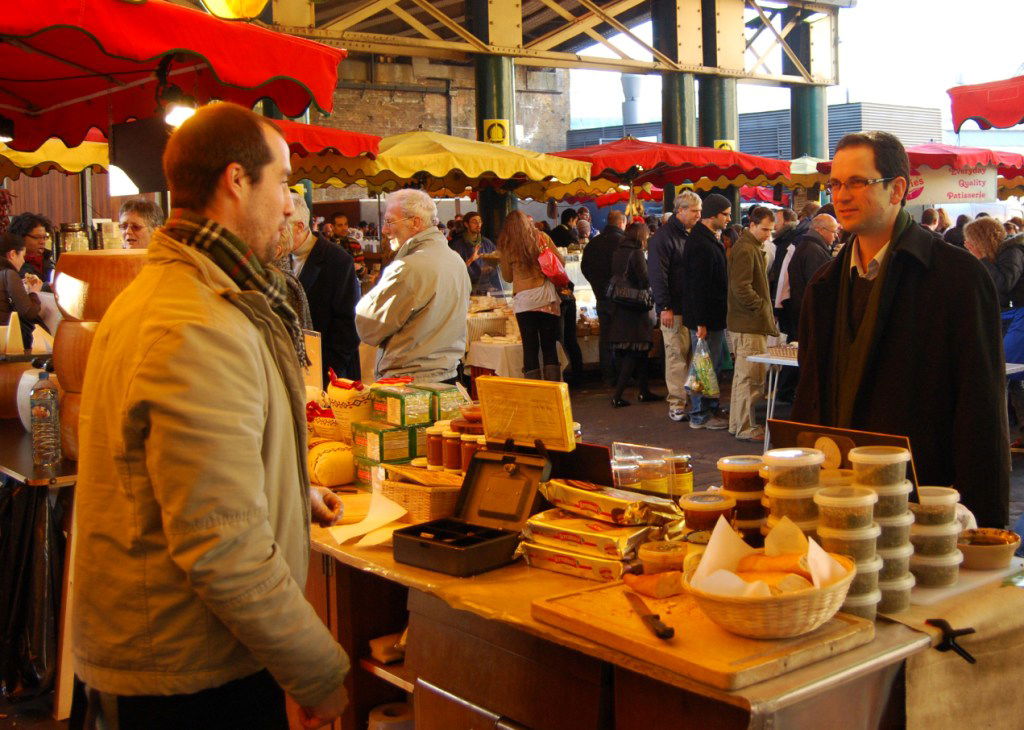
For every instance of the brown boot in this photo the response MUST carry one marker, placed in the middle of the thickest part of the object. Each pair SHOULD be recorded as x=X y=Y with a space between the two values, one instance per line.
x=553 y=373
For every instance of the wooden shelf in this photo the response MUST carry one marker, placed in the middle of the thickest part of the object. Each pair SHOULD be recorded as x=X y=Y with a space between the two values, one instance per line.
x=395 y=674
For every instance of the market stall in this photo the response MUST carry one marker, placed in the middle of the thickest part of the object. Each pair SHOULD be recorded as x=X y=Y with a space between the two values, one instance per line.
x=994 y=104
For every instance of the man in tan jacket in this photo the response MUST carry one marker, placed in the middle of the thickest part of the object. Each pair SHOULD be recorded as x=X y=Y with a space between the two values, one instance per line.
x=750 y=319
x=192 y=508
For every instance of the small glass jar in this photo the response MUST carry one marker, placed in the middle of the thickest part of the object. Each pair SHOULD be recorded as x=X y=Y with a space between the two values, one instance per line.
x=469 y=445
x=654 y=476
x=435 y=448
x=702 y=509
x=577 y=432
x=626 y=475
x=452 y=451
x=681 y=479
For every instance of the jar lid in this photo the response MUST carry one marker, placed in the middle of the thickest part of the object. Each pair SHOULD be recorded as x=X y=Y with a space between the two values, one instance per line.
x=706 y=502
x=652 y=462
x=890 y=490
x=743 y=496
x=435 y=430
x=845 y=497
x=894 y=553
x=698 y=537
x=741 y=463
x=794 y=457
x=627 y=459
x=937 y=561
x=679 y=457
x=419 y=461
x=861 y=533
x=870 y=566
x=935 y=496
x=878 y=455
x=907 y=518
x=443 y=424
x=624 y=465
x=452 y=435
x=805 y=526
x=775 y=492
x=903 y=583
x=470 y=438
x=747 y=524
x=662 y=547
x=864 y=599
x=949 y=528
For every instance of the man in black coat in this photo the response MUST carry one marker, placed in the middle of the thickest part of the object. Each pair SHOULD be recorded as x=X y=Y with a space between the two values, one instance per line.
x=596 y=266
x=812 y=252
x=665 y=267
x=564 y=233
x=328 y=275
x=705 y=298
x=900 y=334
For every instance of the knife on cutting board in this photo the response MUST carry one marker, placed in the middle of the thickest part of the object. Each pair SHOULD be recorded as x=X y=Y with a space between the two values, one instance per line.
x=650 y=619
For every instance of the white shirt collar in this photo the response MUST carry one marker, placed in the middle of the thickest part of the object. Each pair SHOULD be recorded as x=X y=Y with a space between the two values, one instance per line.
x=873 y=265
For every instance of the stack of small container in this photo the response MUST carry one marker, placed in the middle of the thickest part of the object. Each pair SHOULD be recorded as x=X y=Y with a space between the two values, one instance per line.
x=846 y=526
x=742 y=482
x=936 y=561
x=793 y=479
x=883 y=470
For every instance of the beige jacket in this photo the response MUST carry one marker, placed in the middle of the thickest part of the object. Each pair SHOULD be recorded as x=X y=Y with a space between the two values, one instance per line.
x=416 y=314
x=523 y=275
x=192 y=506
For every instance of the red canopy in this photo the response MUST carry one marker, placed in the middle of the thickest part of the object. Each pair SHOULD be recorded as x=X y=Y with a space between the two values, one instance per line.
x=957 y=158
x=632 y=160
x=761 y=194
x=995 y=104
x=68 y=65
x=622 y=196
x=308 y=139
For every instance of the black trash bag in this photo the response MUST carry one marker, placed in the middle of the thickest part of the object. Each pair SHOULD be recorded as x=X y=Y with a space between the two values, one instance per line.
x=31 y=576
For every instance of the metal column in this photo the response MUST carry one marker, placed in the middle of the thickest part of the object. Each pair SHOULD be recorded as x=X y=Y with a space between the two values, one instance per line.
x=808 y=104
x=495 y=99
x=678 y=89
x=718 y=117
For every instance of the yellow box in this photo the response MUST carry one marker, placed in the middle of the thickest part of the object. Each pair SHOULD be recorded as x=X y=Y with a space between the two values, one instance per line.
x=526 y=410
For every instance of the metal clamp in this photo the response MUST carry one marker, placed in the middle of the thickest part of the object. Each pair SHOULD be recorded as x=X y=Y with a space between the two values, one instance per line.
x=949 y=637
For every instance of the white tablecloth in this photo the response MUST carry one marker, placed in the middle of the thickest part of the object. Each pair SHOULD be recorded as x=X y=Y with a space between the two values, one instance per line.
x=505 y=360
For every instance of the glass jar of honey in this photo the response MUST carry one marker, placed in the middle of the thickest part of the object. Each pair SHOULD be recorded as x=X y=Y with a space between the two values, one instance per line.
x=702 y=509
x=654 y=476
x=452 y=451
x=435 y=448
x=626 y=475
x=681 y=474
x=470 y=443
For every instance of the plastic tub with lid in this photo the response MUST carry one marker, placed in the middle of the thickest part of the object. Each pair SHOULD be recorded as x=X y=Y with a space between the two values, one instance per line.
x=845 y=508
x=740 y=473
x=859 y=544
x=797 y=468
x=864 y=605
x=702 y=509
x=934 y=539
x=796 y=504
x=877 y=466
x=936 y=571
x=895 y=594
x=892 y=498
x=935 y=506
x=895 y=530
x=895 y=561
x=866 y=580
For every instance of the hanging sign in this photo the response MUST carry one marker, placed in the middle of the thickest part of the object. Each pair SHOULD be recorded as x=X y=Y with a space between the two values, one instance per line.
x=496 y=131
x=725 y=144
x=944 y=185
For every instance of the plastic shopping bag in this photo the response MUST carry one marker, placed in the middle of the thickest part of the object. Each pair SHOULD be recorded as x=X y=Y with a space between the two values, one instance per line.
x=702 y=379
x=552 y=268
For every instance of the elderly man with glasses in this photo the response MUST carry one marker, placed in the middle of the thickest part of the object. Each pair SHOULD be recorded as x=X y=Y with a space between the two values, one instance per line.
x=416 y=314
x=900 y=334
x=812 y=251
x=137 y=219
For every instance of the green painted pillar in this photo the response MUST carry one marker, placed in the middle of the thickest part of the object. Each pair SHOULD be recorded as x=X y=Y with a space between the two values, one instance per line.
x=495 y=99
x=808 y=105
x=678 y=89
x=719 y=119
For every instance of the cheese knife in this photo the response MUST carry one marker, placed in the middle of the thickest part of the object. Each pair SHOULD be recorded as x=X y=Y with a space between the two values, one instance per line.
x=650 y=619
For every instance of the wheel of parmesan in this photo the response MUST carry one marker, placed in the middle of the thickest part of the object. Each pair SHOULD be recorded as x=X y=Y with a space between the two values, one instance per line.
x=331 y=463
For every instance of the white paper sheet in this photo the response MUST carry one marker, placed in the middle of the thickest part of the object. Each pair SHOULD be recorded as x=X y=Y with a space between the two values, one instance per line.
x=383 y=511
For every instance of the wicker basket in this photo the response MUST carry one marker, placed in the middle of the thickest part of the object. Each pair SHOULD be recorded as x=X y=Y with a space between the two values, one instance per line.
x=423 y=504
x=783 y=351
x=776 y=617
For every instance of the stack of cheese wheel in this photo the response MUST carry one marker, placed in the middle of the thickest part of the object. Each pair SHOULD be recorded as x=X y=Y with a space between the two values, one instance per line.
x=85 y=284
x=10 y=376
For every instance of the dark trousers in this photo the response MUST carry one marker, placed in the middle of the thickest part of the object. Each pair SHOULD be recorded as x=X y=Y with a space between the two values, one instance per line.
x=255 y=702
x=604 y=319
x=631 y=362
x=569 y=342
x=539 y=331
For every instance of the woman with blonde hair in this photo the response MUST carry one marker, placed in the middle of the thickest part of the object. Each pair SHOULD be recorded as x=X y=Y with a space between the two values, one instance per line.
x=535 y=299
x=1002 y=256
x=945 y=222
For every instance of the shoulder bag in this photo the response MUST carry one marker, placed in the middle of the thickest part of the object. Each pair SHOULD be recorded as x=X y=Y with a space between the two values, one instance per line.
x=622 y=293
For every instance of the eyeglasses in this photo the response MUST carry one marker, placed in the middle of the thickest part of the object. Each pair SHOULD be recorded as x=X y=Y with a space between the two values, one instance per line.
x=37 y=237
x=854 y=183
x=389 y=223
x=133 y=227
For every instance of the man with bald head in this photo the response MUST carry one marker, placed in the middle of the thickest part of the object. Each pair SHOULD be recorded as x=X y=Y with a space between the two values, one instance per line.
x=811 y=253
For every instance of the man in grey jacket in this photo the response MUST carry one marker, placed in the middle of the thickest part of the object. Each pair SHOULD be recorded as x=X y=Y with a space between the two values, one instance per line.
x=416 y=314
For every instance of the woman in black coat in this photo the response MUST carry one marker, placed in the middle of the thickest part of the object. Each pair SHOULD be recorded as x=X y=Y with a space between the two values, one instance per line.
x=630 y=329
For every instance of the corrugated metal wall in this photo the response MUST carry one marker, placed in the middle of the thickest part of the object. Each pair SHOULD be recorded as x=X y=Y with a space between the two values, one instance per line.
x=768 y=133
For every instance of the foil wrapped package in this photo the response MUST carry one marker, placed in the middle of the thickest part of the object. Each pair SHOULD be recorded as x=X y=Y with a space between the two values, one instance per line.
x=613 y=505
x=590 y=567
x=561 y=529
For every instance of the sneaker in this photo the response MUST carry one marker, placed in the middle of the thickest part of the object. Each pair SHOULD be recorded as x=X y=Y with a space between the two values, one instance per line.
x=678 y=414
x=698 y=424
x=717 y=423
x=754 y=434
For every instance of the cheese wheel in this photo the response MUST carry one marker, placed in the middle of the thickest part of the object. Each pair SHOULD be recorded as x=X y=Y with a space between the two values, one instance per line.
x=71 y=347
x=86 y=282
x=331 y=463
x=70 y=405
x=10 y=376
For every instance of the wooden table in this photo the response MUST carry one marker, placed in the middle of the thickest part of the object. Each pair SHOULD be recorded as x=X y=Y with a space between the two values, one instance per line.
x=476 y=655
x=16 y=459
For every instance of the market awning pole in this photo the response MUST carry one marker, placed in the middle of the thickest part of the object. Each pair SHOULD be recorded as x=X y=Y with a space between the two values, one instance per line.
x=85 y=198
x=678 y=89
x=808 y=104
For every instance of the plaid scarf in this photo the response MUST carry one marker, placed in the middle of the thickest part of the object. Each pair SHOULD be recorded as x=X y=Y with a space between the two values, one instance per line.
x=236 y=259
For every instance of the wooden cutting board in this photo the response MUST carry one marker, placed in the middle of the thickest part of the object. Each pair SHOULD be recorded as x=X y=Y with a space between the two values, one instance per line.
x=700 y=650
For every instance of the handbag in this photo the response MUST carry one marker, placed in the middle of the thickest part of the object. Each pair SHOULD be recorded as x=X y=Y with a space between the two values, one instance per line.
x=624 y=294
x=552 y=267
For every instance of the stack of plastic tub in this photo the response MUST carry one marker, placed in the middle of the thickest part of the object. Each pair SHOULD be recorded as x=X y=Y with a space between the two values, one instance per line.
x=883 y=469
x=793 y=479
x=846 y=526
x=936 y=561
x=741 y=481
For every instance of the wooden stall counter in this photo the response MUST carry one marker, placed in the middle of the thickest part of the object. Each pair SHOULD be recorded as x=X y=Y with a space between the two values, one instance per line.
x=477 y=657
